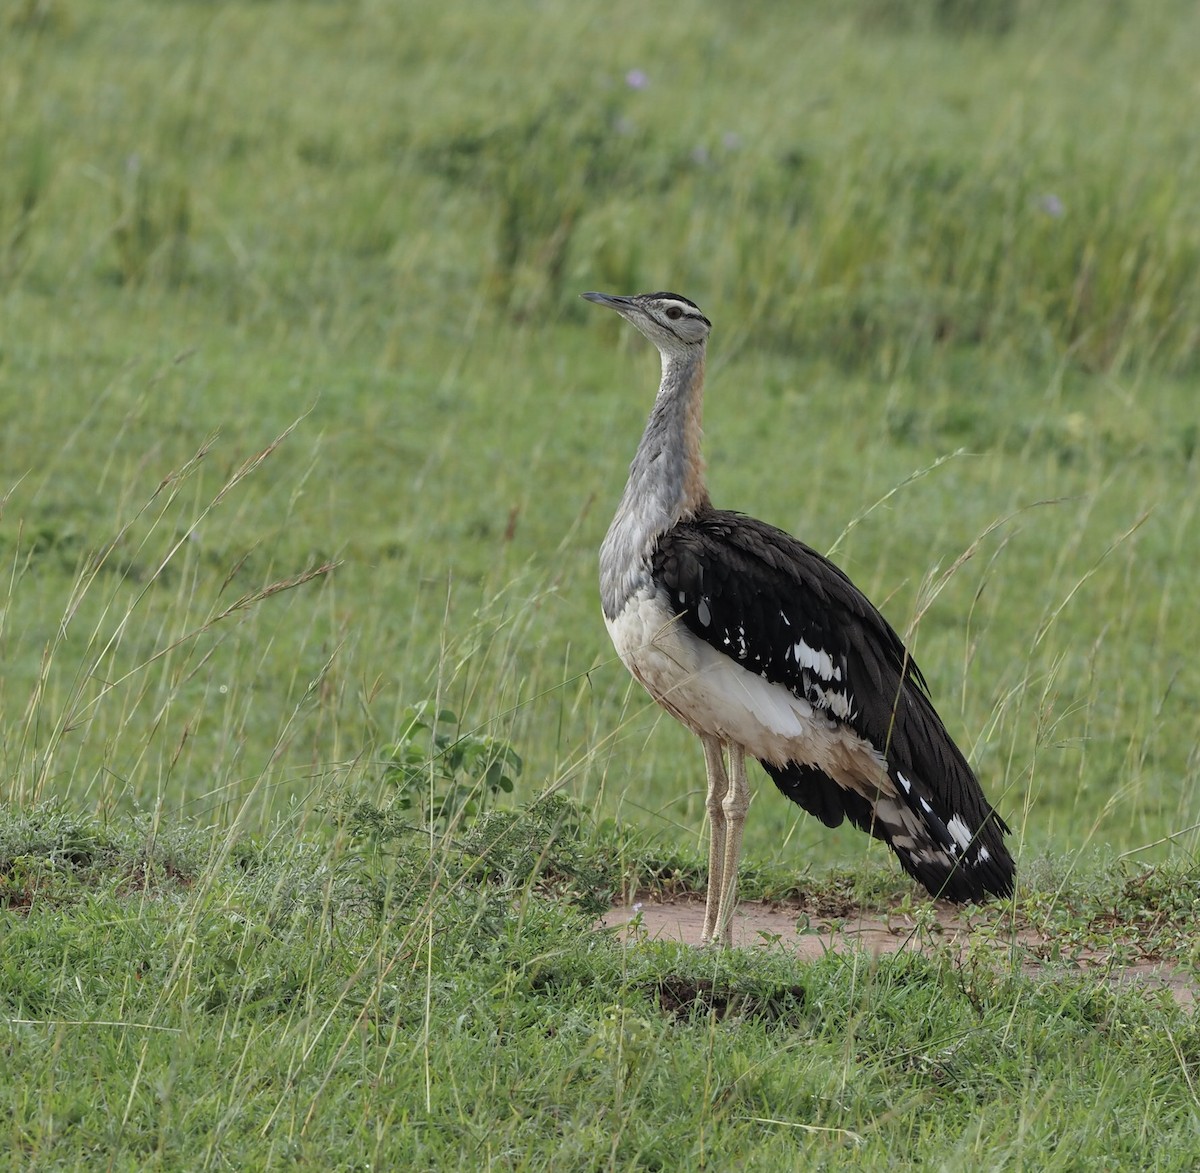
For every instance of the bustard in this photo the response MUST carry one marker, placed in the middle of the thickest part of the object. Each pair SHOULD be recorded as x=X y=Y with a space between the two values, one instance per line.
x=762 y=646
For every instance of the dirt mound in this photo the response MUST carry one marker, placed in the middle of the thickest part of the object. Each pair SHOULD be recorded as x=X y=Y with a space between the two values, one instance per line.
x=765 y=926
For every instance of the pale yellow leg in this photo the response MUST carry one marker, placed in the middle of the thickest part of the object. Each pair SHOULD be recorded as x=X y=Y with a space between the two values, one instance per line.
x=734 y=806
x=718 y=786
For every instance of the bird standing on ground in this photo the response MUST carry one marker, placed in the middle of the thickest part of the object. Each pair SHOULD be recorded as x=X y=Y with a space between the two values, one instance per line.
x=762 y=646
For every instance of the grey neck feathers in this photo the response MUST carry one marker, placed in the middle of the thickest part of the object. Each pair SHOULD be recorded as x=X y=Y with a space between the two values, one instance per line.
x=666 y=482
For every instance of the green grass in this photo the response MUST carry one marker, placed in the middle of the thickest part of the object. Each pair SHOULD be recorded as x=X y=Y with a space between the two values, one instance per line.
x=304 y=425
x=176 y=1003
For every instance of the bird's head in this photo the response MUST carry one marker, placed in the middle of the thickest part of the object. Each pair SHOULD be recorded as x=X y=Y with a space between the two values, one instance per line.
x=673 y=323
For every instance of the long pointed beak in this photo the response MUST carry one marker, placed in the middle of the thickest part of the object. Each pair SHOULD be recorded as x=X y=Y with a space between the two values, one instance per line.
x=609 y=299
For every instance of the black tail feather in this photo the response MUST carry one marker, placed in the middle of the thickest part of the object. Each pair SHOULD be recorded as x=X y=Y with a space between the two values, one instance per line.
x=954 y=856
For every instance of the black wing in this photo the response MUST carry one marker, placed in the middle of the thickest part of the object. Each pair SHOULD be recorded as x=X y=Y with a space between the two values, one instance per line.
x=782 y=610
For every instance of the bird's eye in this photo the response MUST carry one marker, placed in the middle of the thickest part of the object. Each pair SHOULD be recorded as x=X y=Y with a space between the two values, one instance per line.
x=674 y=313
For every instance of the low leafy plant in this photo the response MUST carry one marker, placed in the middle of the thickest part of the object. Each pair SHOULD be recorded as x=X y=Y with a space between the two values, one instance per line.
x=444 y=773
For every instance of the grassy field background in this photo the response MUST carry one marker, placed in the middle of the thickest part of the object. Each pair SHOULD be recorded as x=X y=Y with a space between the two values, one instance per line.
x=304 y=425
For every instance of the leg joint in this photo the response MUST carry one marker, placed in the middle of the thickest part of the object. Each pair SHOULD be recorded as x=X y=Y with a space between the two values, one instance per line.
x=736 y=803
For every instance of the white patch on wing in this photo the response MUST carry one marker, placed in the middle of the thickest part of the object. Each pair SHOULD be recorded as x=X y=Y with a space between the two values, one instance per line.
x=960 y=831
x=820 y=662
x=711 y=693
x=702 y=612
x=837 y=702
x=905 y=784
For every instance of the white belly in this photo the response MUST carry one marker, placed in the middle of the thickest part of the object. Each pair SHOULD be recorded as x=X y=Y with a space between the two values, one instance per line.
x=713 y=694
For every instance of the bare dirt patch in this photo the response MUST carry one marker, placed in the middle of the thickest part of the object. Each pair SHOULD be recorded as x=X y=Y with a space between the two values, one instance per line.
x=809 y=936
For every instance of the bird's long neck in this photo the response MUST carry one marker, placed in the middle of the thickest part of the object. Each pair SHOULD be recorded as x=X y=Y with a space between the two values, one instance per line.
x=666 y=480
